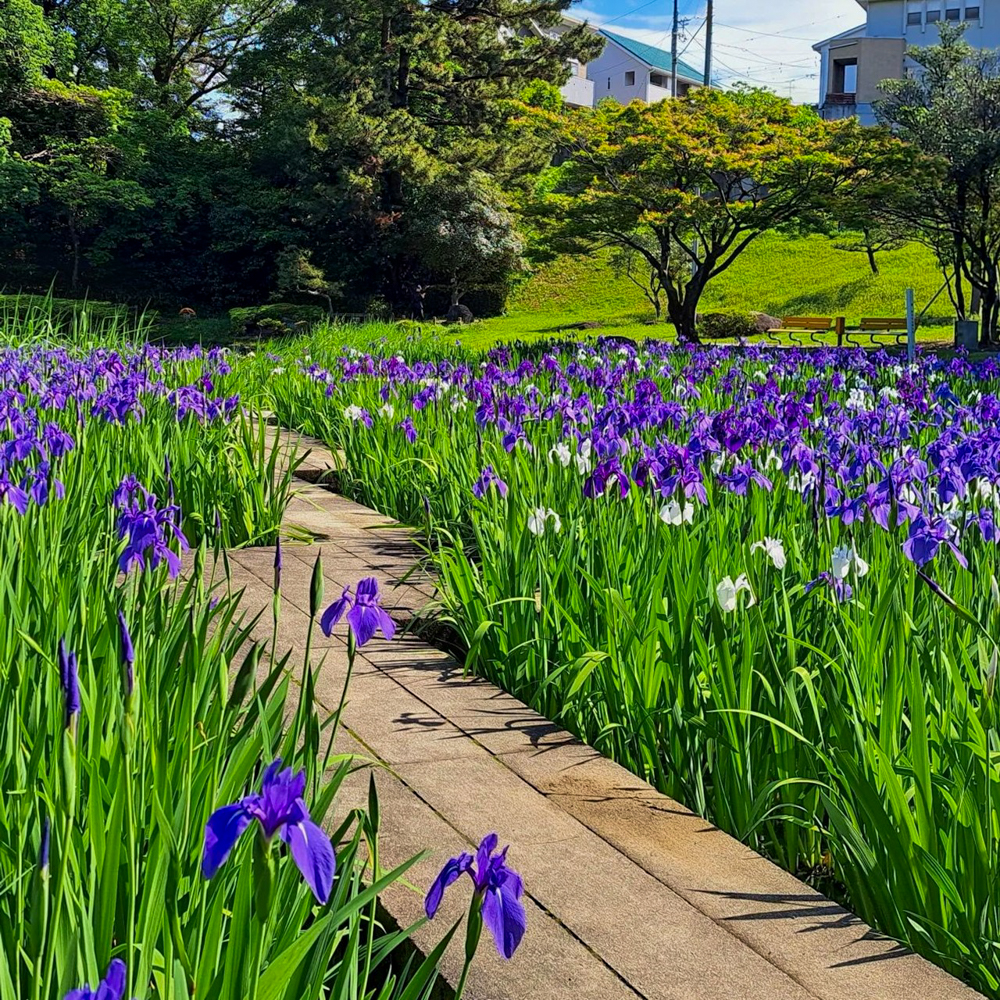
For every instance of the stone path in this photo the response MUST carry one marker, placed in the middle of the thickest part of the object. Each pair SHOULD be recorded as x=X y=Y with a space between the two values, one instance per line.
x=629 y=895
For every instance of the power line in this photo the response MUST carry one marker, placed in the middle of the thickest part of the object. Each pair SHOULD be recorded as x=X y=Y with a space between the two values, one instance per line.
x=691 y=40
x=628 y=13
x=757 y=33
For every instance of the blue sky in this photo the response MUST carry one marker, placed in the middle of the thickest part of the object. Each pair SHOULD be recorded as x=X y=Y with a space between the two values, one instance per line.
x=763 y=41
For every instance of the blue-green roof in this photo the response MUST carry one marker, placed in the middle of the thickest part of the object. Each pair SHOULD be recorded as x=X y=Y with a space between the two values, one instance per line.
x=654 y=57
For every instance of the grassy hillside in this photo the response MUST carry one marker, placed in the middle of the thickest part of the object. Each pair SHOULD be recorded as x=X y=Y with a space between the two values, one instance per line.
x=777 y=275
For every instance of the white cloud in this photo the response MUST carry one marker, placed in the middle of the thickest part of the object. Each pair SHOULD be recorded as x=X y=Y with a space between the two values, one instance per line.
x=764 y=44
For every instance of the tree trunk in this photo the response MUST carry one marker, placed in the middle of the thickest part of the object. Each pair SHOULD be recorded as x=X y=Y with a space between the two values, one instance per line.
x=683 y=313
x=75 y=240
x=989 y=316
x=869 y=250
x=689 y=329
x=872 y=262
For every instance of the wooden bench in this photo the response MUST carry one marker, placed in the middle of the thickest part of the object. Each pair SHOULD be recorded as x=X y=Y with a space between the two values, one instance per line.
x=792 y=326
x=874 y=327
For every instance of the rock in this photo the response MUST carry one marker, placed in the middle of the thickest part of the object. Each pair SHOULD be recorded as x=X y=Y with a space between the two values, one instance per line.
x=459 y=314
x=764 y=322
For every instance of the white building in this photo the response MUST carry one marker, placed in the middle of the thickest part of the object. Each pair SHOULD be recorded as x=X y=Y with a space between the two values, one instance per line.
x=578 y=92
x=628 y=70
x=855 y=62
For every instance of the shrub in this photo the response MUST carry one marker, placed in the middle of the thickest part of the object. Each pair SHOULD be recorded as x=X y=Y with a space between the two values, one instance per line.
x=725 y=326
x=276 y=317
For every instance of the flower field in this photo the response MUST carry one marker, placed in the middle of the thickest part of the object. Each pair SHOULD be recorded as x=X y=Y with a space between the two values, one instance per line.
x=136 y=716
x=764 y=581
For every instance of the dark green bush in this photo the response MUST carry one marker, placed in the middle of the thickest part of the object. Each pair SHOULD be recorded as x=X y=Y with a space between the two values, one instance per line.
x=275 y=317
x=724 y=326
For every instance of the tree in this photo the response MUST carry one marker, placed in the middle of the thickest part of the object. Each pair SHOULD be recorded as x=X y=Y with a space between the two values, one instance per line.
x=171 y=150
x=298 y=275
x=175 y=53
x=628 y=263
x=61 y=151
x=689 y=184
x=464 y=236
x=871 y=239
x=81 y=191
x=26 y=45
x=949 y=111
x=378 y=104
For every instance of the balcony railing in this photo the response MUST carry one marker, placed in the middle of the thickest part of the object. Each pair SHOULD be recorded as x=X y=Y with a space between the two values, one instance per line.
x=579 y=91
x=841 y=98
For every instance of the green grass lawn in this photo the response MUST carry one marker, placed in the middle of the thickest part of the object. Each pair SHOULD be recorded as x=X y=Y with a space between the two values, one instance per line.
x=778 y=275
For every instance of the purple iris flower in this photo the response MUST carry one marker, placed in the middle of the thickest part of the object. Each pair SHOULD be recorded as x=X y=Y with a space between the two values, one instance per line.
x=498 y=887
x=43 y=849
x=57 y=441
x=944 y=394
x=365 y=614
x=168 y=476
x=842 y=590
x=14 y=495
x=69 y=677
x=127 y=652
x=487 y=479
x=111 y=987
x=279 y=809
x=409 y=431
x=927 y=535
x=987 y=526
x=146 y=528
x=603 y=477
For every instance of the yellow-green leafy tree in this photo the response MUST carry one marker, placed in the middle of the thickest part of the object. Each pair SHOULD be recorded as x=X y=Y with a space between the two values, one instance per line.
x=689 y=184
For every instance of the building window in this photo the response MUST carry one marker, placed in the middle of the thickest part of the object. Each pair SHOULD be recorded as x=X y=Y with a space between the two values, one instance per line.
x=953 y=14
x=657 y=80
x=845 y=76
x=630 y=78
x=609 y=83
x=972 y=13
x=933 y=16
x=914 y=18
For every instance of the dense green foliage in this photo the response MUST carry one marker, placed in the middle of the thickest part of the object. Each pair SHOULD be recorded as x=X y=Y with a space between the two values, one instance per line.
x=949 y=111
x=845 y=725
x=105 y=802
x=173 y=153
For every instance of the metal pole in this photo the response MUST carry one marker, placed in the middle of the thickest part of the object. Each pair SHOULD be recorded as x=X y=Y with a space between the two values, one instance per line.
x=709 y=24
x=673 y=50
x=911 y=327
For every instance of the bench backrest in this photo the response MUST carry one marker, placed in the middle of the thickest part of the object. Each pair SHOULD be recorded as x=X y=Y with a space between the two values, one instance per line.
x=807 y=323
x=882 y=324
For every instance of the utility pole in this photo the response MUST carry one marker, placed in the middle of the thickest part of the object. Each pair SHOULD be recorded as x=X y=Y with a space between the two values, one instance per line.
x=709 y=20
x=673 y=50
